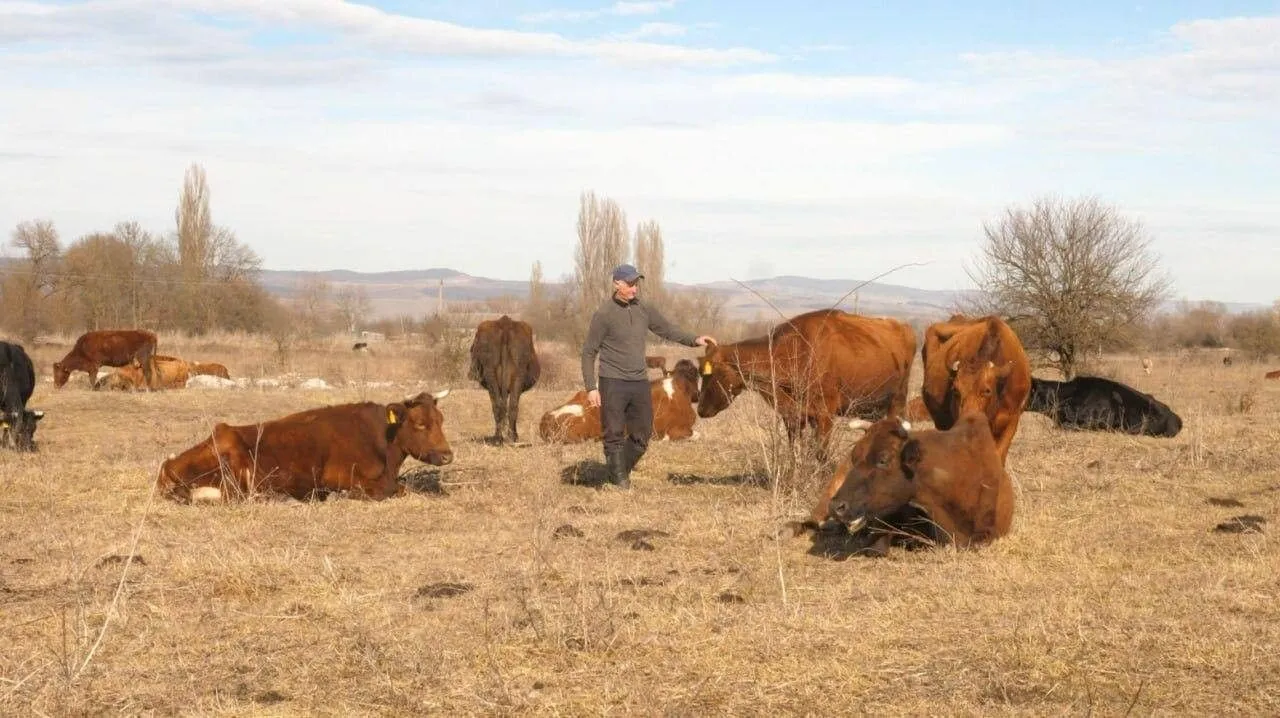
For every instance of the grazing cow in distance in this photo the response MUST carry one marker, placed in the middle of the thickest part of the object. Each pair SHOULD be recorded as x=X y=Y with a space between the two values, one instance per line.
x=1146 y=365
x=17 y=384
x=167 y=373
x=357 y=448
x=813 y=368
x=976 y=366
x=1272 y=374
x=1094 y=403
x=505 y=363
x=673 y=416
x=1226 y=360
x=107 y=347
x=930 y=486
x=360 y=347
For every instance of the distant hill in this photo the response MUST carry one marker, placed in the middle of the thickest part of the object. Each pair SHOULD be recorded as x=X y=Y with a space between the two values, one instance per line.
x=418 y=292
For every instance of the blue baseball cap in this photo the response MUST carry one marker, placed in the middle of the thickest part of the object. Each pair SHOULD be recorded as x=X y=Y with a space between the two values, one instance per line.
x=626 y=273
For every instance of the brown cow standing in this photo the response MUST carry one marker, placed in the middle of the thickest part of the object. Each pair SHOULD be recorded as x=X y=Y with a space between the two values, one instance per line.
x=673 y=416
x=943 y=486
x=505 y=363
x=349 y=447
x=823 y=364
x=107 y=347
x=976 y=366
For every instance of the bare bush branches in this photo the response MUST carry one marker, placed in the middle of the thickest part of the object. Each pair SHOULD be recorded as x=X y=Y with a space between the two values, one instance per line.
x=1071 y=274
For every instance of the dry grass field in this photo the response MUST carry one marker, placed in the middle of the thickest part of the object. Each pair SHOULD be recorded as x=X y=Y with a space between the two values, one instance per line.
x=501 y=586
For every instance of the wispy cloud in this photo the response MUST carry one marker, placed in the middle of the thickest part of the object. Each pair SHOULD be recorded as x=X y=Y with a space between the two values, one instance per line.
x=367 y=26
x=654 y=29
x=620 y=8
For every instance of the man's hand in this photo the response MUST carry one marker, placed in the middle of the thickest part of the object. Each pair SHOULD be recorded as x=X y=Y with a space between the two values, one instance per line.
x=593 y=397
x=704 y=340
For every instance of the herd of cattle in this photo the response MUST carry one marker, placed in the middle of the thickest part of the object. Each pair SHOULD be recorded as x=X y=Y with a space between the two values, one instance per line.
x=946 y=484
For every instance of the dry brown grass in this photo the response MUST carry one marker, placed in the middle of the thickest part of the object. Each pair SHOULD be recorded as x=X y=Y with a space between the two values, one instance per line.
x=1112 y=593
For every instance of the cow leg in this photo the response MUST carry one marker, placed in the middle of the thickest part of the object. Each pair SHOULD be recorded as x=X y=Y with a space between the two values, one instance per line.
x=513 y=415
x=145 y=358
x=498 y=404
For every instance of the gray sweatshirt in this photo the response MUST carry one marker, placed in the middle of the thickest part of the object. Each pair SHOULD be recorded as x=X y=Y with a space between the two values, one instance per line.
x=617 y=334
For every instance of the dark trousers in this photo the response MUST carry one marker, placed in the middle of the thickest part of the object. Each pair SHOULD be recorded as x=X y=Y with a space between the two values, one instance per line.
x=626 y=417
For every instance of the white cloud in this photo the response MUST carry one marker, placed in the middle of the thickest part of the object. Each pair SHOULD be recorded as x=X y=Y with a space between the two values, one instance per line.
x=372 y=28
x=620 y=8
x=363 y=136
x=793 y=85
x=655 y=29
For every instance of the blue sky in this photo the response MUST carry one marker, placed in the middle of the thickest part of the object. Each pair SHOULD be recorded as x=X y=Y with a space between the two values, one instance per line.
x=825 y=139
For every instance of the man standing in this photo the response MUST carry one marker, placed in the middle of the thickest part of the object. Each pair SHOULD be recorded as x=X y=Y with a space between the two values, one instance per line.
x=617 y=334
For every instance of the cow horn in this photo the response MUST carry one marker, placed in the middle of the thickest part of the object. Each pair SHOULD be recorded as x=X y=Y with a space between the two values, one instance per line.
x=38 y=414
x=172 y=457
x=440 y=394
x=856 y=524
x=955 y=365
x=906 y=425
x=857 y=424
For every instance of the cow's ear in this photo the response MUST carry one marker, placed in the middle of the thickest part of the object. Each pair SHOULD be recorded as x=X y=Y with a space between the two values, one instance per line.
x=911 y=456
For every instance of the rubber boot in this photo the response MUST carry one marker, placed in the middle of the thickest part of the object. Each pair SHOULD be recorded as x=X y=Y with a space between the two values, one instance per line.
x=631 y=456
x=619 y=472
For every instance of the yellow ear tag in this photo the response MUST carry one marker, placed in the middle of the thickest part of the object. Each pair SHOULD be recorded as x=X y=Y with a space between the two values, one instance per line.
x=706 y=368
x=391 y=416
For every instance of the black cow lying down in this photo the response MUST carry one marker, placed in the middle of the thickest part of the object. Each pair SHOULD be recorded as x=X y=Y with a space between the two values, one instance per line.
x=1093 y=403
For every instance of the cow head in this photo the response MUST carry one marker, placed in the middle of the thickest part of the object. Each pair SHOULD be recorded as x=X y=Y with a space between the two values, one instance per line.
x=19 y=429
x=881 y=475
x=60 y=374
x=417 y=427
x=721 y=382
x=976 y=385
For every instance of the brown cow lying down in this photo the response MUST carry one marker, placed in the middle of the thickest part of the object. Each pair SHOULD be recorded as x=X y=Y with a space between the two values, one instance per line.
x=209 y=369
x=930 y=487
x=167 y=372
x=349 y=447
x=673 y=397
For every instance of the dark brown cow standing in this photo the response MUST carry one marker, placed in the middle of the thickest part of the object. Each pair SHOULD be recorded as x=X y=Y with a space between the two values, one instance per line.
x=107 y=347
x=349 y=447
x=673 y=416
x=505 y=363
x=943 y=486
x=823 y=364
x=976 y=366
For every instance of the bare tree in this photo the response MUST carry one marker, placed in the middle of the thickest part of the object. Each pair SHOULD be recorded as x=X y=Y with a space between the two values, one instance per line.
x=650 y=259
x=312 y=306
x=602 y=245
x=33 y=279
x=352 y=305
x=97 y=277
x=210 y=258
x=1071 y=275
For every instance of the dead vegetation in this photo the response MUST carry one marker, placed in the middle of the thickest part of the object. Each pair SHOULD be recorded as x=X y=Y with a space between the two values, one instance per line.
x=501 y=586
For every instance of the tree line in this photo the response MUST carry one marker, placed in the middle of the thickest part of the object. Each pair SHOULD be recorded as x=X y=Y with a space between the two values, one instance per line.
x=1072 y=276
